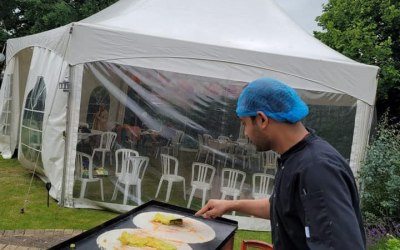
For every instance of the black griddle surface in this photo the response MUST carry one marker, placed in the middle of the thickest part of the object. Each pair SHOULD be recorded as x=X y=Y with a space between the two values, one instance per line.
x=224 y=228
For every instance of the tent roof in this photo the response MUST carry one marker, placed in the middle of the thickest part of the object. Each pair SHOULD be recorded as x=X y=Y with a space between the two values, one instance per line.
x=228 y=39
x=256 y=25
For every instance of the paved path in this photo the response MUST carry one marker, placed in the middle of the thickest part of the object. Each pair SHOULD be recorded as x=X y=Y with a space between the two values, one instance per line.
x=34 y=239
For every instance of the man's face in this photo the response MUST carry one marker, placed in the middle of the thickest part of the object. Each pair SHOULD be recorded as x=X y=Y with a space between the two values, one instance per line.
x=255 y=134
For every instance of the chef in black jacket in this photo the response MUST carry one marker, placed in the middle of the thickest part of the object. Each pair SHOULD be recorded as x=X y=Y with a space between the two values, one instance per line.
x=315 y=204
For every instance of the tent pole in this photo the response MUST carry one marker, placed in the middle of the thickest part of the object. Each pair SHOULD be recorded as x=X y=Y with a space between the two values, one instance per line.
x=66 y=147
x=72 y=122
x=67 y=87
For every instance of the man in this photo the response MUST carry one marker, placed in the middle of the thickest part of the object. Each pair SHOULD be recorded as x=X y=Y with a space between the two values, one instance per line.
x=100 y=119
x=315 y=204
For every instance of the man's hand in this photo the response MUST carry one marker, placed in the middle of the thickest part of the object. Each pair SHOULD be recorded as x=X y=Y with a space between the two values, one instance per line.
x=215 y=208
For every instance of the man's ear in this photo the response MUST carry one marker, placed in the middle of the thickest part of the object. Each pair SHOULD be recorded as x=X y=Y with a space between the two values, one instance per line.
x=262 y=119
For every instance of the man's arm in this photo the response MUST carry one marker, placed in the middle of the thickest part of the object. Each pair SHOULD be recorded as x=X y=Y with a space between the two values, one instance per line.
x=215 y=208
x=331 y=208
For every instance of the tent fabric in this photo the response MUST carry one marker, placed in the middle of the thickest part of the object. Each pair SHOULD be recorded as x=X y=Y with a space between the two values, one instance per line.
x=205 y=35
x=55 y=40
x=5 y=95
x=148 y=25
x=233 y=41
x=360 y=131
x=318 y=74
x=44 y=62
x=14 y=81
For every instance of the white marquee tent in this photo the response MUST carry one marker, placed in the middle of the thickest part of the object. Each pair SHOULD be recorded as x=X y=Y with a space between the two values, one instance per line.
x=173 y=62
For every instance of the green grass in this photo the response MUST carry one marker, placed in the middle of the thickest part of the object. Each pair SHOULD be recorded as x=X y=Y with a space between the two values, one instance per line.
x=19 y=190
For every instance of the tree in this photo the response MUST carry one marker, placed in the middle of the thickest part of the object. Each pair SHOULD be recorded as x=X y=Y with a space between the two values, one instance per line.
x=24 y=17
x=368 y=32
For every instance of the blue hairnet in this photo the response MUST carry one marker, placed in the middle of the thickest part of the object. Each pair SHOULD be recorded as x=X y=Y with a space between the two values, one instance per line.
x=275 y=99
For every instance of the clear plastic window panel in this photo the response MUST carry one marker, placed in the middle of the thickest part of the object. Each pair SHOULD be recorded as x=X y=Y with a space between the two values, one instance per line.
x=7 y=102
x=32 y=123
x=158 y=128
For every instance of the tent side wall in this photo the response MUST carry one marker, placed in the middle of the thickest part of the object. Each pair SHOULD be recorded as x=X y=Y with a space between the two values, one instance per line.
x=14 y=83
x=38 y=57
x=6 y=106
x=20 y=51
x=43 y=115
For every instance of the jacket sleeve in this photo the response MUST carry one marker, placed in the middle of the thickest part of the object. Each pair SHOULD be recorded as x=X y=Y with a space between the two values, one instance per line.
x=331 y=208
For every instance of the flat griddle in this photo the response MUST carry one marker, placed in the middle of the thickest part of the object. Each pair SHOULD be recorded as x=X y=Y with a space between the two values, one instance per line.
x=224 y=228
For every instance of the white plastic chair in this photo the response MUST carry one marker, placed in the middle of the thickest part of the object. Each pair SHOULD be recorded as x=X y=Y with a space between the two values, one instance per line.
x=232 y=181
x=202 y=147
x=170 y=166
x=133 y=169
x=206 y=139
x=174 y=145
x=269 y=161
x=262 y=185
x=107 y=141
x=213 y=149
x=230 y=153
x=202 y=178
x=221 y=148
x=242 y=141
x=248 y=152
x=223 y=137
x=120 y=156
x=84 y=173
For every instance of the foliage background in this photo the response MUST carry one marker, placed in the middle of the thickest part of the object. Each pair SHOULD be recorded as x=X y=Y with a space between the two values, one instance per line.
x=24 y=17
x=380 y=173
x=380 y=184
x=368 y=31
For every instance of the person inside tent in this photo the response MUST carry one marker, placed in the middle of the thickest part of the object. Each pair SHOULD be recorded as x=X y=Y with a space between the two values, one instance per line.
x=128 y=136
x=315 y=203
x=100 y=119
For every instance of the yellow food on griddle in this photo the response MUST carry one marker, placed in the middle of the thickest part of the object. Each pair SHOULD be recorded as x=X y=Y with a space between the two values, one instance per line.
x=135 y=240
x=167 y=219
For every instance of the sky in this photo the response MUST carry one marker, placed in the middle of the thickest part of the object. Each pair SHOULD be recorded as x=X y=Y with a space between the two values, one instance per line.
x=303 y=12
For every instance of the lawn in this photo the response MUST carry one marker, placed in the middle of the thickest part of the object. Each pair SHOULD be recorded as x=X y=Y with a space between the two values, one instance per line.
x=20 y=190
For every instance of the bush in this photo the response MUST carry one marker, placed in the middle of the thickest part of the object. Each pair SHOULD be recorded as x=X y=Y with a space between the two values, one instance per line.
x=379 y=229
x=393 y=244
x=386 y=243
x=380 y=173
x=380 y=183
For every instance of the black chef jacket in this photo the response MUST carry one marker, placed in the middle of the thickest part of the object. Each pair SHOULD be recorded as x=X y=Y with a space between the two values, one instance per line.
x=315 y=204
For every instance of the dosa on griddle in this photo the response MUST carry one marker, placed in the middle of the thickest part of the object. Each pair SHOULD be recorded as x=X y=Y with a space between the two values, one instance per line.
x=110 y=240
x=191 y=230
